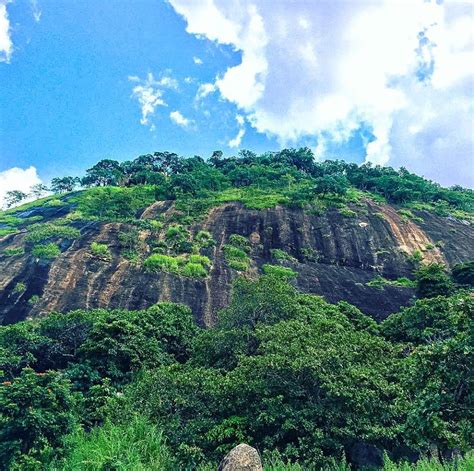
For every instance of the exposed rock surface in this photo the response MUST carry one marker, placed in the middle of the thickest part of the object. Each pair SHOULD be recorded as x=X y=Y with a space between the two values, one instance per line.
x=241 y=458
x=334 y=256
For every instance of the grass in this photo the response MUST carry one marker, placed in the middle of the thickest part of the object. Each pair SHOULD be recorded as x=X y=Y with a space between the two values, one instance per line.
x=43 y=232
x=348 y=213
x=136 y=446
x=46 y=251
x=276 y=270
x=236 y=258
x=101 y=251
x=281 y=256
x=13 y=252
x=19 y=288
x=194 y=266
x=380 y=282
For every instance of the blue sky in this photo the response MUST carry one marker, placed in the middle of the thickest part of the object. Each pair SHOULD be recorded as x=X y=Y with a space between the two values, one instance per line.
x=84 y=80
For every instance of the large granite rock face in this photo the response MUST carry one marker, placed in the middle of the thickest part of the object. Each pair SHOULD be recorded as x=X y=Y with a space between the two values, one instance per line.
x=241 y=458
x=334 y=256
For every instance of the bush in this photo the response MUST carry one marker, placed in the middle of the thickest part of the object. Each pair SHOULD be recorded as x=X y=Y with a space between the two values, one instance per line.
x=36 y=413
x=194 y=270
x=33 y=300
x=348 y=213
x=160 y=262
x=240 y=242
x=200 y=259
x=276 y=270
x=101 y=251
x=281 y=255
x=46 y=251
x=236 y=258
x=432 y=280
x=19 y=288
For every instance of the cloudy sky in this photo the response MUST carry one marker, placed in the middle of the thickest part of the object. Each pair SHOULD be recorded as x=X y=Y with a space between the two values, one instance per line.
x=390 y=81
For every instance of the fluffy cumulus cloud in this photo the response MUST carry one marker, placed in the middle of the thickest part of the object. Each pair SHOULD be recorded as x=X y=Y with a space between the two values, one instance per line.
x=149 y=94
x=6 y=45
x=17 y=179
x=323 y=70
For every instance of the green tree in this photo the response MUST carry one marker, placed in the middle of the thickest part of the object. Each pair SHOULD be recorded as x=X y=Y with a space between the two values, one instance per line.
x=64 y=184
x=432 y=280
x=14 y=197
x=36 y=412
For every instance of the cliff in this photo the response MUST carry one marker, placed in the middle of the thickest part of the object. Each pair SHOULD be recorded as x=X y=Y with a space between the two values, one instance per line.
x=334 y=254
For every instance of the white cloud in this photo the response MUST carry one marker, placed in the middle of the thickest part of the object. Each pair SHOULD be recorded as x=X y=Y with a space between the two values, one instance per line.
x=149 y=94
x=179 y=119
x=204 y=90
x=323 y=69
x=36 y=10
x=197 y=60
x=6 y=45
x=236 y=141
x=17 y=179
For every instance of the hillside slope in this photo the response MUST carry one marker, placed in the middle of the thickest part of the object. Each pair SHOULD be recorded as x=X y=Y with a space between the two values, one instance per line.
x=335 y=253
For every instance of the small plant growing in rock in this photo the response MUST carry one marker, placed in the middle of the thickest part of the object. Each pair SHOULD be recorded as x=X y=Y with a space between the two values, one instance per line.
x=240 y=242
x=282 y=256
x=46 y=251
x=13 y=252
x=279 y=271
x=101 y=251
x=33 y=300
x=19 y=288
x=348 y=213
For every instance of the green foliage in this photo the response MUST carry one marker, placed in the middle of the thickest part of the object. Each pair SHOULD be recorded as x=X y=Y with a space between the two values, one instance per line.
x=194 y=270
x=432 y=280
x=19 y=288
x=240 y=242
x=278 y=271
x=166 y=263
x=380 y=282
x=13 y=252
x=46 y=251
x=281 y=256
x=407 y=214
x=137 y=445
x=36 y=412
x=34 y=300
x=44 y=232
x=416 y=257
x=101 y=251
x=430 y=320
x=114 y=203
x=348 y=213
x=195 y=266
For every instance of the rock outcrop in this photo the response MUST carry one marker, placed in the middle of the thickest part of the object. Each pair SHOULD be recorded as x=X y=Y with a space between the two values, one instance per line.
x=241 y=458
x=334 y=255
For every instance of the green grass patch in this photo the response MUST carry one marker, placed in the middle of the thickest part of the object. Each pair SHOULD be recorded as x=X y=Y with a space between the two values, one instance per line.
x=19 y=288
x=380 y=282
x=13 y=252
x=277 y=270
x=348 y=213
x=46 y=251
x=101 y=251
x=43 y=232
x=281 y=256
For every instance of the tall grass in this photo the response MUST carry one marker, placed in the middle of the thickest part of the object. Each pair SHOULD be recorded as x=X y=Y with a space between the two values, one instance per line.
x=136 y=446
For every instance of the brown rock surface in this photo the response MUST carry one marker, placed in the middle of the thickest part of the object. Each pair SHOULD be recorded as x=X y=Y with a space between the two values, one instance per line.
x=335 y=256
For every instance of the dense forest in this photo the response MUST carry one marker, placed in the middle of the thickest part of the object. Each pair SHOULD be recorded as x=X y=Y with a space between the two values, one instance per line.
x=306 y=382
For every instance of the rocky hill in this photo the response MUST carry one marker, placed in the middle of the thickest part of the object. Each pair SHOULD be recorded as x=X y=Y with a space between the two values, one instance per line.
x=361 y=254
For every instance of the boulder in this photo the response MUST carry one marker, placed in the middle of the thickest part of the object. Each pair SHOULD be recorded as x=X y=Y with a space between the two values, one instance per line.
x=241 y=458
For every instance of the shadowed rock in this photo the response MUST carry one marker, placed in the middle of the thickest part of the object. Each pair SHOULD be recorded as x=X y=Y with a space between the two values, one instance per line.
x=241 y=458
